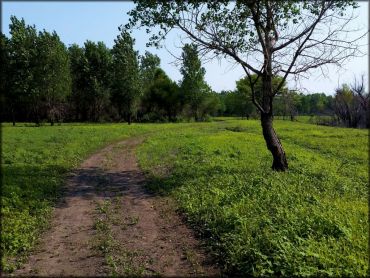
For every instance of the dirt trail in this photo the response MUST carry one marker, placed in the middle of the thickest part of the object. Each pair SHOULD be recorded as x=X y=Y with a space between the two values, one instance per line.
x=108 y=224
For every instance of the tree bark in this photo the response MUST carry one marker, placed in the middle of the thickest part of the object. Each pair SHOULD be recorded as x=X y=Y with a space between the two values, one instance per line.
x=36 y=115
x=13 y=116
x=273 y=143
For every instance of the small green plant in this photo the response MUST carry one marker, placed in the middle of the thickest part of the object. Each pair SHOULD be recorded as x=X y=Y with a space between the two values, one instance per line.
x=132 y=220
x=119 y=260
x=309 y=221
x=236 y=128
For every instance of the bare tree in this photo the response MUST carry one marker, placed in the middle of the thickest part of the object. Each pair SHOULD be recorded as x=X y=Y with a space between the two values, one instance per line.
x=351 y=104
x=358 y=87
x=265 y=37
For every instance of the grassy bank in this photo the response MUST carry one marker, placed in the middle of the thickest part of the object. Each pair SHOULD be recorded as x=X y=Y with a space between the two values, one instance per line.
x=312 y=220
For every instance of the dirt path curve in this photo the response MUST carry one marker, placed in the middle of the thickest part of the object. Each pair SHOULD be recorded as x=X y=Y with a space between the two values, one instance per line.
x=107 y=224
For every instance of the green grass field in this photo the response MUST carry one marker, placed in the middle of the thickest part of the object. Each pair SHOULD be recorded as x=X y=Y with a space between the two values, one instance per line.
x=35 y=161
x=311 y=220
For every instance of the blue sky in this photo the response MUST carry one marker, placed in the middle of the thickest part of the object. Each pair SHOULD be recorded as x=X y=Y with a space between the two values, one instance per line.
x=76 y=22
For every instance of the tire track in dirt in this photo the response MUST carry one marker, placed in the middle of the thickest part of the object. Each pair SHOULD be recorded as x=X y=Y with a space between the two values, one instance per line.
x=107 y=223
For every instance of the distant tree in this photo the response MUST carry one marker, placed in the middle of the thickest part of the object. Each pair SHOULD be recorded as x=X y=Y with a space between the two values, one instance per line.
x=52 y=78
x=243 y=99
x=223 y=107
x=126 y=79
x=211 y=104
x=245 y=94
x=318 y=102
x=149 y=64
x=79 y=103
x=266 y=38
x=231 y=101
x=351 y=105
x=163 y=98
x=21 y=94
x=38 y=75
x=4 y=79
x=287 y=104
x=358 y=89
x=314 y=104
x=192 y=85
x=97 y=75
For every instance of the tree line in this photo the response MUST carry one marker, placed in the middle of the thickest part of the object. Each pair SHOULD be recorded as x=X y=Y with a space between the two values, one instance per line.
x=43 y=80
x=348 y=107
x=287 y=103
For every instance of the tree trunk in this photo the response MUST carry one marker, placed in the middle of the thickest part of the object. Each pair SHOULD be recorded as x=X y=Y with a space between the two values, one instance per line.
x=273 y=143
x=13 y=117
x=129 y=118
x=37 y=119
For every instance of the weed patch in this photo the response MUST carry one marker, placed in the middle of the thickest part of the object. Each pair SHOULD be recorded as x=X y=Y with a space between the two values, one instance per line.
x=120 y=262
x=309 y=221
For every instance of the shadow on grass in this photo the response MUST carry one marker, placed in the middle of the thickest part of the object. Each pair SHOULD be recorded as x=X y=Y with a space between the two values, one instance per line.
x=24 y=184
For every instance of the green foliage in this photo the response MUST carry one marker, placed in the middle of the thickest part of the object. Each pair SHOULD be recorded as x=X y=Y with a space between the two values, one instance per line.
x=162 y=99
x=95 y=83
x=4 y=71
x=149 y=64
x=310 y=221
x=23 y=60
x=233 y=22
x=237 y=103
x=126 y=86
x=78 y=100
x=244 y=87
x=97 y=77
x=52 y=75
x=38 y=69
x=193 y=86
x=211 y=105
x=314 y=103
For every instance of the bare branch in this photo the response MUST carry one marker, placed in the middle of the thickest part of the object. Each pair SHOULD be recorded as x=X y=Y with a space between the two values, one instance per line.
x=308 y=30
x=252 y=83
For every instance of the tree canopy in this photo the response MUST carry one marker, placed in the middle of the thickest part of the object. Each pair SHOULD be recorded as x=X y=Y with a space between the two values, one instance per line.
x=126 y=78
